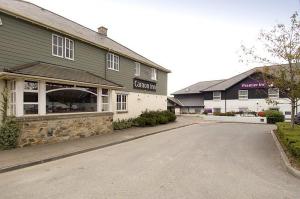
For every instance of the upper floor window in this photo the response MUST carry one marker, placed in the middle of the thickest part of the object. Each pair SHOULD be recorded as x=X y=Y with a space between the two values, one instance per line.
x=112 y=61
x=122 y=102
x=137 y=69
x=153 y=74
x=217 y=95
x=273 y=93
x=57 y=46
x=69 y=49
x=243 y=94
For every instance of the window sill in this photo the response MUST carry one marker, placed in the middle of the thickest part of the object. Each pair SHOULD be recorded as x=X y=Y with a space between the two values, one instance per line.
x=113 y=69
x=120 y=112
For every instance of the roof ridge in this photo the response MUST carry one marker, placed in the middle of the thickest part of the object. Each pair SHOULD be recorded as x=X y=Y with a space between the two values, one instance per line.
x=198 y=83
x=151 y=63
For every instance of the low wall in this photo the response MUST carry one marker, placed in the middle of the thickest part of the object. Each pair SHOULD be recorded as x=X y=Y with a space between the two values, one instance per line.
x=58 y=128
x=262 y=120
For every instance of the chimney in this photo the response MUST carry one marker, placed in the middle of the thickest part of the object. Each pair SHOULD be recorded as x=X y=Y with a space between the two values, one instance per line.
x=102 y=30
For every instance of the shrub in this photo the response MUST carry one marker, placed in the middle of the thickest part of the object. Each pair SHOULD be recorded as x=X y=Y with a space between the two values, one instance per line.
x=274 y=116
x=9 y=133
x=122 y=124
x=261 y=114
x=162 y=119
x=140 y=121
x=224 y=114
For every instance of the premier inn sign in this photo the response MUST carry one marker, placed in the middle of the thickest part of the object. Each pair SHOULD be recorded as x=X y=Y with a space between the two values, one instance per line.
x=144 y=85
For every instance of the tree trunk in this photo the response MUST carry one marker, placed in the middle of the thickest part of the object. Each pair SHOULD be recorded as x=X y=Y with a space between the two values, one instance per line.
x=293 y=113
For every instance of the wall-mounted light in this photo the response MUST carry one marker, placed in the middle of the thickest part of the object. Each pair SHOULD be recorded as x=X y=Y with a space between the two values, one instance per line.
x=0 y=22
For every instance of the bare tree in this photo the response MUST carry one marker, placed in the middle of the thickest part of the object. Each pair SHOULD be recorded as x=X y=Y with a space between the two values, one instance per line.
x=281 y=49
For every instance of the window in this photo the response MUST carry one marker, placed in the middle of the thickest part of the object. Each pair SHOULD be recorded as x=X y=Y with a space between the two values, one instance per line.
x=243 y=109
x=273 y=93
x=12 y=85
x=62 y=98
x=112 y=61
x=121 y=102
x=105 y=100
x=217 y=110
x=137 y=69
x=217 y=95
x=243 y=94
x=153 y=74
x=69 y=49
x=57 y=45
x=31 y=97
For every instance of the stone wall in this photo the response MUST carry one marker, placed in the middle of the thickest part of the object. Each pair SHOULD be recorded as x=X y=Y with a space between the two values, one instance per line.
x=58 y=128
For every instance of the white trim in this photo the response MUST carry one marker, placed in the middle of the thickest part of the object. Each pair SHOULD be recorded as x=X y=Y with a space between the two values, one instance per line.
x=154 y=74
x=122 y=103
x=273 y=96
x=137 y=69
x=71 y=48
x=243 y=96
x=62 y=47
x=42 y=98
x=217 y=97
x=71 y=88
x=19 y=97
x=111 y=63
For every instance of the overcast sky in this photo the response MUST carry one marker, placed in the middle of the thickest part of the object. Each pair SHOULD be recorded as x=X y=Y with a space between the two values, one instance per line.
x=197 y=39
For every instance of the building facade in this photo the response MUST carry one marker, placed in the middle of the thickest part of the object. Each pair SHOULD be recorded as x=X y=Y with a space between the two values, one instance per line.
x=53 y=67
x=246 y=92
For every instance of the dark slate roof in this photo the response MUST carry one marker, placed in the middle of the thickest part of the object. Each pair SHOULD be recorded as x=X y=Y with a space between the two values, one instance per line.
x=196 y=88
x=174 y=100
x=41 y=16
x=41 y=69
x=227 y=83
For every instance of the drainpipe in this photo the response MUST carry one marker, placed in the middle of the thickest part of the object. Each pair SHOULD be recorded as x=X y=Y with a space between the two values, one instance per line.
x=225 y=102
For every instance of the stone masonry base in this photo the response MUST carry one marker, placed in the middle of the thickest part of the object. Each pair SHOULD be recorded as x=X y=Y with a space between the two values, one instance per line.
x=58 y=128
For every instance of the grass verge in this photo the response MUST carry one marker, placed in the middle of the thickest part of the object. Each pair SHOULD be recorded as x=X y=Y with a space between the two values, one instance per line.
x=290 y=141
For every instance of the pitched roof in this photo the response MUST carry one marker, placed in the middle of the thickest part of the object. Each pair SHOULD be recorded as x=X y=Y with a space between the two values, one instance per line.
x=174 y=100
x=41 y=69
x=225 y=84
x=46 y=18
x=196 y=88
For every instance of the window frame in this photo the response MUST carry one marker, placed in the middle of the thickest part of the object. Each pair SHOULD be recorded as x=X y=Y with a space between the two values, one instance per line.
x=217 y=98
x=62 y=46
x=31 y=91
x=272 y=96
x=113 y=61
x=137 y=69
x=154 y=74
x=104 y=95
x=122 y=103
x=246 y=97
x=70 y=49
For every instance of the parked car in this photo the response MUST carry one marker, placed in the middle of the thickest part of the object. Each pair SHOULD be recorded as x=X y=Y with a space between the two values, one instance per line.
x=297 y=118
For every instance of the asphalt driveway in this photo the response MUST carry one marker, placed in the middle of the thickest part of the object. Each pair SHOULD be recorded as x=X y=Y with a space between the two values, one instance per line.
x=200 y=161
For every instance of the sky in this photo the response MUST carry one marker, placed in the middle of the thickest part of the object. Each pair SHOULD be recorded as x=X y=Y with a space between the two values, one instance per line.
x=198 y=40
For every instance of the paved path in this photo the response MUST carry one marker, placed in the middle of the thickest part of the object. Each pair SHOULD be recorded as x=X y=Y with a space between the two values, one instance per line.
x=215 y=161
x=12 y=159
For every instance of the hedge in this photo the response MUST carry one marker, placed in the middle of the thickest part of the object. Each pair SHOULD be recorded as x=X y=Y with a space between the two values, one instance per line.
x=9 y=133
x=147 y=118
x=274 y=116
x=290 y=137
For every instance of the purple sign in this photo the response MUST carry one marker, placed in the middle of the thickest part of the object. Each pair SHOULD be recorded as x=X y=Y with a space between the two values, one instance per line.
x=254 y=85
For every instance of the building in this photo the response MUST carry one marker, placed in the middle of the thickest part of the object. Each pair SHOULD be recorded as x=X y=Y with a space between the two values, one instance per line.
x=245 y=92
x=65 y=80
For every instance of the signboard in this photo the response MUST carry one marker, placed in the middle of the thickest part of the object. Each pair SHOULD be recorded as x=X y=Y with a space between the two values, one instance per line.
x=253 y=85
x=144 y=85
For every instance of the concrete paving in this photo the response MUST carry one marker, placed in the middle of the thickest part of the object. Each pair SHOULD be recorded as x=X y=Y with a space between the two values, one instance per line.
x=23 y=157
x=217 y=161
